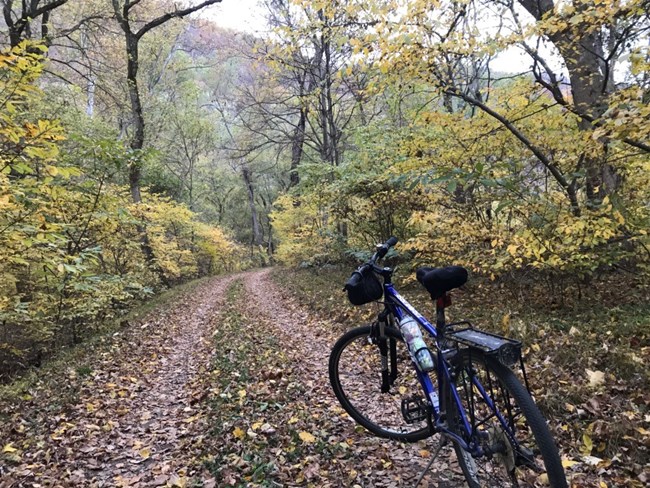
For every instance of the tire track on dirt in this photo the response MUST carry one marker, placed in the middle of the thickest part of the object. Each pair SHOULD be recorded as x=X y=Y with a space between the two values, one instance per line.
x=381 y=463
x=135 y=420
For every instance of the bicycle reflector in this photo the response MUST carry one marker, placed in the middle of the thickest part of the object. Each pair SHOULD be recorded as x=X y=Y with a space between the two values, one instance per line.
x=506 y=351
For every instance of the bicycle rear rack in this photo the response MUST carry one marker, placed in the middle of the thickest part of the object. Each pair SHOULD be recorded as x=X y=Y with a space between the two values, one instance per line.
x=506 y=351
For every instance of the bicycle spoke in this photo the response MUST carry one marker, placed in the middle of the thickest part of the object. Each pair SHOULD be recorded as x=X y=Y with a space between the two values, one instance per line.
x=355 y=372
x=505 y=462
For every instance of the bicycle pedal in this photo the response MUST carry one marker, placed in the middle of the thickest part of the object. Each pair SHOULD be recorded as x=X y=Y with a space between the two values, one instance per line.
x=414 y=409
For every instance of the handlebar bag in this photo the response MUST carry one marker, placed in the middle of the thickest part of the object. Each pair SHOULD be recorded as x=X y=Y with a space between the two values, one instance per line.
x=363 y=287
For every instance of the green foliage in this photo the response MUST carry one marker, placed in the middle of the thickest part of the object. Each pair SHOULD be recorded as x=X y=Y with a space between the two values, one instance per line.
x=305 y=231
x=70 y=238
x=479 y=201
x=449 y=177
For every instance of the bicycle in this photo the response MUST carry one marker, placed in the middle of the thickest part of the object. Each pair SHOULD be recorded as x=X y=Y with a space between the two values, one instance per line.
x=499 y=436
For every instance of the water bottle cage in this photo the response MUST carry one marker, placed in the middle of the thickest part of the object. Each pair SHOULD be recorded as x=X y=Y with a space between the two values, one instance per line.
x=423 y=348
x=419 y=365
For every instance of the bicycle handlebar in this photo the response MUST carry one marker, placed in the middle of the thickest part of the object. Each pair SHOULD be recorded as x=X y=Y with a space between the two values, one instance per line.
x=354 y=279
x=382 y=249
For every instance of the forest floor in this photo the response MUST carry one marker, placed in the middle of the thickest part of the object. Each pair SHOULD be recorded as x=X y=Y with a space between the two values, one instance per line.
x=226 y=384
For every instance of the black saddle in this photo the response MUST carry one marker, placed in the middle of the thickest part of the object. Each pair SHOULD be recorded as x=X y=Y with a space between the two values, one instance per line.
x=439 y=281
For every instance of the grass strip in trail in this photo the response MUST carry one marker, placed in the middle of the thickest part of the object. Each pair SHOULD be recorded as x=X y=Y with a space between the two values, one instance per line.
x=257 y=408
x=275 y=421
x=588 y=364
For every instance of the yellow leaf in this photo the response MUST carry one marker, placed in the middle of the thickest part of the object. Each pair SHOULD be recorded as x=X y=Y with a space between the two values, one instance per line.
x=543 y=479
x=145 y=453
x=256 y=425
x=588 y=444
x=567 y=463
x=9 y=448
x=238 y=433
x=306 y=437
x=505 y=323
x=293 y=420
x=596 y=378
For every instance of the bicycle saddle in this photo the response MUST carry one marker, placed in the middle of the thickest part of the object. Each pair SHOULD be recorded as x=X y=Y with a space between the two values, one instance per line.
x=438 y=281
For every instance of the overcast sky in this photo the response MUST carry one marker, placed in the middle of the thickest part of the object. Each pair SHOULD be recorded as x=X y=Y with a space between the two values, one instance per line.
x=246 y=15
x=240 y=15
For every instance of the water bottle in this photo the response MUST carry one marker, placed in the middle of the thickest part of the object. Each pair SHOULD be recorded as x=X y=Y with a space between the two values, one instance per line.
x=417 y=347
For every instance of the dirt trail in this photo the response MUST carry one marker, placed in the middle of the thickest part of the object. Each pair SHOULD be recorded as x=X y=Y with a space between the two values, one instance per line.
x=134 y=414
x=312 y=338
x=132 y=420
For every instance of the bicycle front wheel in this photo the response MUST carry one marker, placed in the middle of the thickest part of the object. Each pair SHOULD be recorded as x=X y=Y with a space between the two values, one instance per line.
x=355 y=374
x=518 y=447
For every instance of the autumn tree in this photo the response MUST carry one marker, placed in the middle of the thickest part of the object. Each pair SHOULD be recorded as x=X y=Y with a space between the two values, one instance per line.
x=69 y=234
x=128 y=13
x=24 y=18
x=317 y=95
x=588 y=40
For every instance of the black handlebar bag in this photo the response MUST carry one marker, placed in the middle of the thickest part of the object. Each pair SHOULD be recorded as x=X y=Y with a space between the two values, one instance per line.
x=363 y=287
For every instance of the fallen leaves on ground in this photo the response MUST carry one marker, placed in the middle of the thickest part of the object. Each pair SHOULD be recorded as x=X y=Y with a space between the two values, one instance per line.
x=288 y=429
x=589 y=377
x=125 y=417
x=228 y=386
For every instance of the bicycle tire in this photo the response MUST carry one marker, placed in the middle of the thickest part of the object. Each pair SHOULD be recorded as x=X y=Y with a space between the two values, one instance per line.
x=508 y=466
x=355 y=376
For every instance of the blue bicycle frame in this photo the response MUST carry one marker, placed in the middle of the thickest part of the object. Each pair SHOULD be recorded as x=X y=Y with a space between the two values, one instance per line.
x=399 y=306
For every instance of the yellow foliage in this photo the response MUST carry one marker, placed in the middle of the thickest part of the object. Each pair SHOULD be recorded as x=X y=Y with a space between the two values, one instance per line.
x=70 y=252
x=304 y=228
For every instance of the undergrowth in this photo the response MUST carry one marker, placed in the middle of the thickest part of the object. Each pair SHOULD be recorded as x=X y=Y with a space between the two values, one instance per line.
x=587 y=360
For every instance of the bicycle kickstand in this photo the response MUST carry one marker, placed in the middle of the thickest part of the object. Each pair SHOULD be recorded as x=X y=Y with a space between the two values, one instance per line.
x=443 y=443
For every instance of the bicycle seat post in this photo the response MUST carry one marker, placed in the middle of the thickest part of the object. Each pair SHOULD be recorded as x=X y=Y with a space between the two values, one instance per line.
x=441 y=303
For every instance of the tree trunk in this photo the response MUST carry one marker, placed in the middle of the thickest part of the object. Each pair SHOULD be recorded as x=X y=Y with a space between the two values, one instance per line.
x=297 y=143
x=137 y=139
x=583 y=55
x=255 y=221
x=19 y=24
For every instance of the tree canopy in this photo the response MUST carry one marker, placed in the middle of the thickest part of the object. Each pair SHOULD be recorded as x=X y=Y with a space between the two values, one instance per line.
x=143 y=145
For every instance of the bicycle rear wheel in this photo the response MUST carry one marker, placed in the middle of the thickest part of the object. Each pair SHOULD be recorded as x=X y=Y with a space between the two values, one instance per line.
x=355 y=374
x=531 y=459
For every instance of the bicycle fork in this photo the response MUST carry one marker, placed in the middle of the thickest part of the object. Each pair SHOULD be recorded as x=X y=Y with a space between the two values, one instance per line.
x=387 y=346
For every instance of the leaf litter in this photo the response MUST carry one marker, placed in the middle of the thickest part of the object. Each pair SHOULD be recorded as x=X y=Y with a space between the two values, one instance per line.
x=288 y=429
x=228 y=386
x=126 y=418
